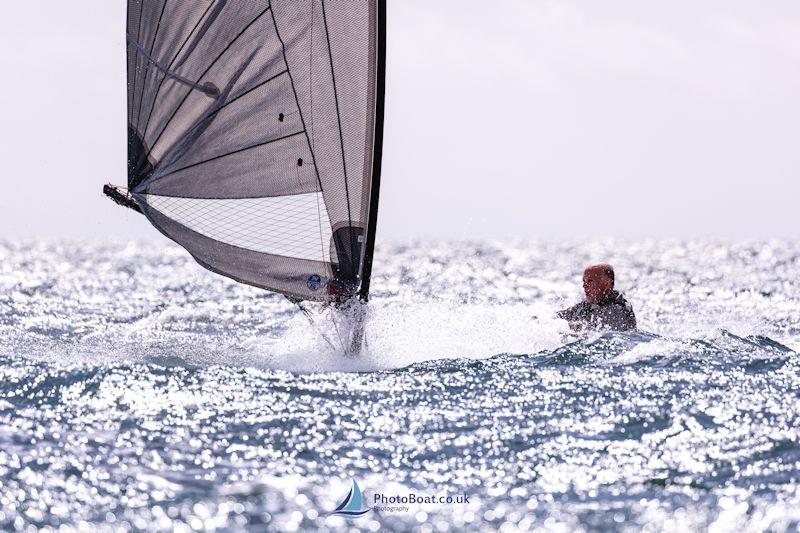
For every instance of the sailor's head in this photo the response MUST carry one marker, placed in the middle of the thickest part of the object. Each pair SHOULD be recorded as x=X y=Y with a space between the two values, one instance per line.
x=598 y=282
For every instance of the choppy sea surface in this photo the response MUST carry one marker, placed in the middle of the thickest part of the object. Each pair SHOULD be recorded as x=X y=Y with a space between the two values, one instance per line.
x=141 y=392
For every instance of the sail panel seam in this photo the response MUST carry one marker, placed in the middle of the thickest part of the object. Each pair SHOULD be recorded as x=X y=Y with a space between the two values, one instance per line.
x=227 y=197
x=341 y=138
x=296 y=99
x=231 y=153
x=236 y=38
x=149 y=57
x=171 y=63
x=245 y=93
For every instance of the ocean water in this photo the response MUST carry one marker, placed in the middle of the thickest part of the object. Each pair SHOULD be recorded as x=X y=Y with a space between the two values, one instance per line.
x=141 y=392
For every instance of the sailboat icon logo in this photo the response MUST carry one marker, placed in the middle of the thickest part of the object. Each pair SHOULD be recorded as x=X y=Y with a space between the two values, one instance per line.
x=353 y=504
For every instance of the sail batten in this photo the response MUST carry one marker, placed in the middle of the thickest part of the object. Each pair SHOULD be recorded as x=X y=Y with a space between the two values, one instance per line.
x=252 y=136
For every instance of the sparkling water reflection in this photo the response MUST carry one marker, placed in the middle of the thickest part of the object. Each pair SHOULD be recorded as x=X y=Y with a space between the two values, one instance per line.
x=138 y=391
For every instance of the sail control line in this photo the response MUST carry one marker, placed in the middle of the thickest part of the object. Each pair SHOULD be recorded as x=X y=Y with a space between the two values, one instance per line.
x=208 y=89
x=255 y=132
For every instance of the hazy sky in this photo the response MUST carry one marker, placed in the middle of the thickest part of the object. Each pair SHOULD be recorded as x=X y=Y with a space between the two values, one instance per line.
x=518 y=118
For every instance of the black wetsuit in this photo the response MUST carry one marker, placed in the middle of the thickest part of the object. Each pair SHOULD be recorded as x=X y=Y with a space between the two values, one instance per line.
x=612 y=312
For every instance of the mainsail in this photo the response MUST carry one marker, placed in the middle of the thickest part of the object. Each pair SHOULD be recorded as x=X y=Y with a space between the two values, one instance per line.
x=254 y=136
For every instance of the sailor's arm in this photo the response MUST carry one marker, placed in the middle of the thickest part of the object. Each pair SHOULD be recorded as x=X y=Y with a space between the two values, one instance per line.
x=571 y=313
x=576 y=316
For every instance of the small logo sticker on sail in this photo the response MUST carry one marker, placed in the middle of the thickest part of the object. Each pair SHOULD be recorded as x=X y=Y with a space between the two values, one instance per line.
x=314 y=282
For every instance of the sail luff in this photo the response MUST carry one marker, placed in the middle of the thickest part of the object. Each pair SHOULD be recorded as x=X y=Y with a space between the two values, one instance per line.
x=377 y=151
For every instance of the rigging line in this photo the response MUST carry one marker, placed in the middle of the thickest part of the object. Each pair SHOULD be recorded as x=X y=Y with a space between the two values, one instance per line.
x=341 y=141
x=268 y=8
x=310 y=317
x=168 y=73
x=230 y=153
x=171 y=63
x=296 y=99
x=150 y=60
x=136 y=60
x=245 y=93
x=336 y=329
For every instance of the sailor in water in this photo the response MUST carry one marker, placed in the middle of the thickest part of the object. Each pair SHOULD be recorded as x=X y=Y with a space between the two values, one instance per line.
x=604 y=308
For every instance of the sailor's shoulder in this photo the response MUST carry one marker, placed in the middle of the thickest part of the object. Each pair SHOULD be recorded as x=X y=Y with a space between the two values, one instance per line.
x=573 y=311
x=620 y=299
x=617 y=297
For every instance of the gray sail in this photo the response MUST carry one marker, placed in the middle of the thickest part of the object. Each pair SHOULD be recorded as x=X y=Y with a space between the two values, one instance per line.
x=254 y=132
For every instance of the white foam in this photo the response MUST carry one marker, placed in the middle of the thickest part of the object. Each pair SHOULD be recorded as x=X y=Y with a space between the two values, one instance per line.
x=401 y=334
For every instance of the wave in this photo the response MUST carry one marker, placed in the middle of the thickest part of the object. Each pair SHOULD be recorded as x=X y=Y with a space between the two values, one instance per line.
x=401 y=336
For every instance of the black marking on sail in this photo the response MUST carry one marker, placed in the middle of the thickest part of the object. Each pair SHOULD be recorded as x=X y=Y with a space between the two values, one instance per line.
x=232 y=152
x=347 y=242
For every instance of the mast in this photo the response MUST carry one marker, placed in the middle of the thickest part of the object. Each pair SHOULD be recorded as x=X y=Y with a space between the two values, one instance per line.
x=377 y=152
